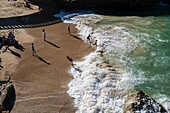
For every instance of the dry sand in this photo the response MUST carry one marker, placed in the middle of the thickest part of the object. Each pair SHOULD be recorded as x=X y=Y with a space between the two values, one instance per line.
x=42 y=88
x=11 y=57
x=14 y=8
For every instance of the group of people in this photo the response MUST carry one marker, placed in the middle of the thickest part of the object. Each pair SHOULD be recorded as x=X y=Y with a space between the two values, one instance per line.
x=10 y=40
x=88 y=37
x=32 y=44
x=89 y=40
x=44 y=36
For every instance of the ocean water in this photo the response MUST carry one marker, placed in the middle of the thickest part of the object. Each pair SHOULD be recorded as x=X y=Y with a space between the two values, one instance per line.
x=133 y=53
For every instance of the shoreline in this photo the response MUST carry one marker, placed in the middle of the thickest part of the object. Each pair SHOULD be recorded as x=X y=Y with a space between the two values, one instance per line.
x=41 y=87
x=52 y=79
x=44 y=83
x=100 y=78
x=39 y=84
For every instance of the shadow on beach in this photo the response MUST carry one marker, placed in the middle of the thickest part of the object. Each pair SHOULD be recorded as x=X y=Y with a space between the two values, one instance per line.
x=40 y=58
x=77 y=69
x=3 y=51
x=19 y=46
x=52 y=44
x=14 y=53
x=76 y=37
x=16 y=45
x=1 y=67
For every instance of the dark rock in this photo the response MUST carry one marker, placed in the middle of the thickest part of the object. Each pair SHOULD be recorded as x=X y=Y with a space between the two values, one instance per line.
x=139 y=101
x=7 y=96
x=81 y=4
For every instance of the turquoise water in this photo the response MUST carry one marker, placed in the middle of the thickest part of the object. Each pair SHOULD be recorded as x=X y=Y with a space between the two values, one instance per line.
x=150 y=61
x=156 y=60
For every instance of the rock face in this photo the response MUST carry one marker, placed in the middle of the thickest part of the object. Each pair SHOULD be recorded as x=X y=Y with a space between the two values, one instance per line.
x=80 y=4
x=143 y=103
x=7 y=96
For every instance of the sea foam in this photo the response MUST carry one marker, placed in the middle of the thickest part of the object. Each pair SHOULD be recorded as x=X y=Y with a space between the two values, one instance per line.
x=96 y=86
x=101 y=81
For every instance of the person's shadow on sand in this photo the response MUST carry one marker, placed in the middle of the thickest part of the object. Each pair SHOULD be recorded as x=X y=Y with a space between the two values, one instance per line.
x=52 y=44
x=14 y=53
x=19 y=46
x=77 y=69
x=41 y=59
x=1 y=67
x=76 y=37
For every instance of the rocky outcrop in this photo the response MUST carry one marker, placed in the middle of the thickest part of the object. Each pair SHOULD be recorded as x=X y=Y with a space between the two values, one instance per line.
x=80 y=4
x=7 y=95
x=142 y=102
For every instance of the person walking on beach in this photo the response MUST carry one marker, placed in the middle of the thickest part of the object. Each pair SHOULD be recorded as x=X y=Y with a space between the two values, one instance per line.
x=71 y=60
x=95 y=43
x=69 y=29
x=44 y=34
x=33 y=50
x=88 y=39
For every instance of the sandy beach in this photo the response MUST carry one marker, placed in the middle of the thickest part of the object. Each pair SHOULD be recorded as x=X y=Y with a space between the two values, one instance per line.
x=41 y=82
x=41 y=87
x=129 y=54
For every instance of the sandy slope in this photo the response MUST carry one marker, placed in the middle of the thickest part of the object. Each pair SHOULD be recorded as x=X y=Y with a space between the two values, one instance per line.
x=41 y=87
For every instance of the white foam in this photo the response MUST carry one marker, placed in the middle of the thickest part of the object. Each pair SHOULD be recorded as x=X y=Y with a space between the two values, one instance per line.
x=93 y=88
x=67 y=16
x=96 y=87
x=163 y=99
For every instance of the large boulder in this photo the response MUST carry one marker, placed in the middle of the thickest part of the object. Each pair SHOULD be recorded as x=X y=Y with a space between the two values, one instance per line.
x=139 y=101
x=7 y=96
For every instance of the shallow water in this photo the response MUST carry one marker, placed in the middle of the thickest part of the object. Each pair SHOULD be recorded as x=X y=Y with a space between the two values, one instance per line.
x=138 y=48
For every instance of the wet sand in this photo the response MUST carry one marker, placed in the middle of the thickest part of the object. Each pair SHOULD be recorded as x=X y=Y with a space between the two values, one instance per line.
x=41 y=82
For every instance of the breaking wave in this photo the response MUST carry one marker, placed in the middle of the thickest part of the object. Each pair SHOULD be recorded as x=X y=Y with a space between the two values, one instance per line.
x=104 y=79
